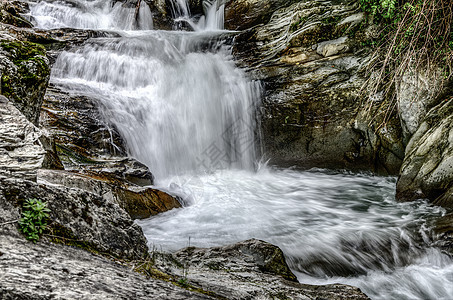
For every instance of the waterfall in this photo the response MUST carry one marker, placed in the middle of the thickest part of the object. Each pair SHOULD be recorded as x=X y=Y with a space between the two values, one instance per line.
x=94 y=14
x=213 y=18
x=177 y=98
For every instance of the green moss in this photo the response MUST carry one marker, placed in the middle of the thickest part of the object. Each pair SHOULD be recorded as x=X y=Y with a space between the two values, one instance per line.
x=6 y=85
x=32 y=69
x=22 y=51
x=331 y=20
x=295 y=25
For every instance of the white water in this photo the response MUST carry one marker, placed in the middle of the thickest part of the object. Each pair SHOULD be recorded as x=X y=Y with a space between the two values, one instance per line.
x=91 y=14
x=332 y=227
x=188 y=113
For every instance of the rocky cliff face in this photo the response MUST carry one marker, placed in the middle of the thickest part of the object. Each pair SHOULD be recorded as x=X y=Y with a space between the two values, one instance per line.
x=311 y=57
x=427 y=170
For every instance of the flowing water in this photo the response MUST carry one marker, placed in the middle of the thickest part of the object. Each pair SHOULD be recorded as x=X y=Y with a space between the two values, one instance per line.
x=188 y=113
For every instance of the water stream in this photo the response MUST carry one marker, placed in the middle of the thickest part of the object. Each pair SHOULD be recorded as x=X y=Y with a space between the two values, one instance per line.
x=187 y=112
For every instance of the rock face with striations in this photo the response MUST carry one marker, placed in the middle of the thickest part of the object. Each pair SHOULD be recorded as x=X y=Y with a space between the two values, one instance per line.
x=46 y=271
x=427 y=170
x=310 y=57
x=21 y=153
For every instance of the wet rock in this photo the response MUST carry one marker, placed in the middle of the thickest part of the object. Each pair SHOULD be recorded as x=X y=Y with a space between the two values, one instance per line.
x=46 y=271
x=138 y=202
x=311 y=60
x=96 y=155
x=79 y=130
x=443 y=230
x=427 y=170
x=244 y=14
x=25 y=73
x=21 y=153
x=252 y=269
x=86 y=142
x=10 y=13
x=161 y=16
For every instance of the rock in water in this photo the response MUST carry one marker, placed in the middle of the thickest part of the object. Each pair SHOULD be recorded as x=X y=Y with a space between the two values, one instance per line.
x=252 y=269
x=427 y=170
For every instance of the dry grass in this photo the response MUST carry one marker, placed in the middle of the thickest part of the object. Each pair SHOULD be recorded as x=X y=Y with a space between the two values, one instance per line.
x=420 y=39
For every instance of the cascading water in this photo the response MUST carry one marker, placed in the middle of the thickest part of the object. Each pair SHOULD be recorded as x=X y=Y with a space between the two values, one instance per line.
x=94 y=14
x=188 y=113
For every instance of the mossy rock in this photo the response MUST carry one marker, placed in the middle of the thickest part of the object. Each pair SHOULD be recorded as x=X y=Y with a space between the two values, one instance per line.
x=25 y=73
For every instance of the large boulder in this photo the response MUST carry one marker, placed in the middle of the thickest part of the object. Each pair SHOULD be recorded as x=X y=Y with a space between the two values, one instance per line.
x=252 y=269
x=312 y=59
x=427 y=170
x=417 y=92
x=77 y=218
x=25 y=73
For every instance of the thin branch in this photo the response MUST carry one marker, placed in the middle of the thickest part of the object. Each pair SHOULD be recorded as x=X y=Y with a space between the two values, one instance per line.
x=9 y=222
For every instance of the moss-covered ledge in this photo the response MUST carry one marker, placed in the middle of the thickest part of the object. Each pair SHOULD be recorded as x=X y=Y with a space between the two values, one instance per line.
x=25 y=73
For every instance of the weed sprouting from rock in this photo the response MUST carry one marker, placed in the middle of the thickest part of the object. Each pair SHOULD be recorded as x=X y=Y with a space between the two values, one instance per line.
x=34 y=219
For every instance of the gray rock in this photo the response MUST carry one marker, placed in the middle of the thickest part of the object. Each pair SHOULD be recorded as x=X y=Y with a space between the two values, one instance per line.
x=252 y=269
x=21 y=153
x=334 y=47
x=79 y=218
x=46 y=271
x=312 y=64
x=427 y=170
x=416 y=94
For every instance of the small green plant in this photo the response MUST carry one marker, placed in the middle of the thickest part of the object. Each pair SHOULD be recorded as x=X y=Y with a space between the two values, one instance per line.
x=34 y=219
x=183 y=282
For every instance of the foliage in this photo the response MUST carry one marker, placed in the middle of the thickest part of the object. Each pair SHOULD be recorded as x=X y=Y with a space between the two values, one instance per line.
x=34 y=219
x=382 y=9
x=417 y=35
